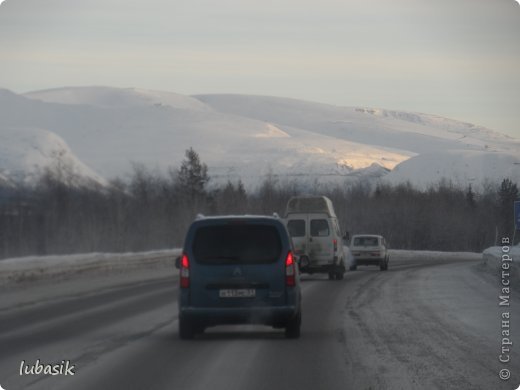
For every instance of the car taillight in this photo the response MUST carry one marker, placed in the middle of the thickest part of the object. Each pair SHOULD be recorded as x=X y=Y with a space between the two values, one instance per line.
x=290 y=270
x=335 y=243
x=376 y=254
x=185 y=271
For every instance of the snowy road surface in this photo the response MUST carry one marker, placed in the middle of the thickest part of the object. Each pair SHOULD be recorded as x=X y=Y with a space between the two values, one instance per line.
x=430 y=322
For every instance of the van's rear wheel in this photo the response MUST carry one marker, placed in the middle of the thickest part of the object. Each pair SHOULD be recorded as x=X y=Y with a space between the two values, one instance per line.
x=292 y=328
x=340 y=270
x=337 y=273
x=186 y=329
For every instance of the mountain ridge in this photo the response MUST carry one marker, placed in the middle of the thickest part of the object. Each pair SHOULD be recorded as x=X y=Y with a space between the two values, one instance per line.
x=250 y=136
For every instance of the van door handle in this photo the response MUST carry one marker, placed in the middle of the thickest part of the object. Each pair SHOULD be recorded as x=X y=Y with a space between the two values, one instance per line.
x=310 y=238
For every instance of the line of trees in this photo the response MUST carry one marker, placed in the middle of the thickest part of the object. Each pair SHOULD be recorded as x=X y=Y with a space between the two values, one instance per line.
x=152 y=210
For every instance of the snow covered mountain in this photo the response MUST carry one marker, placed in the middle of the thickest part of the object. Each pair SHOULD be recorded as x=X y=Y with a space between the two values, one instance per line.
x=461 y=167
x=413 y=132
x=241 y=136
x=447 y=149
x=25 y=154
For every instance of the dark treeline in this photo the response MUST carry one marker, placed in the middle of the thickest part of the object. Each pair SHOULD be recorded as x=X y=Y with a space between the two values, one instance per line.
x=153 y=210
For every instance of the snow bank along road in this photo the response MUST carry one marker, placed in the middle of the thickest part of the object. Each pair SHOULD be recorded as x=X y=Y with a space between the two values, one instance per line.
x=433 y=321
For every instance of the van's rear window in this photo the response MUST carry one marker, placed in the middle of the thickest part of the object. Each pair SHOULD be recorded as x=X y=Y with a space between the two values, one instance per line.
x=319 y=228
x=296 y=227
x=237 y=244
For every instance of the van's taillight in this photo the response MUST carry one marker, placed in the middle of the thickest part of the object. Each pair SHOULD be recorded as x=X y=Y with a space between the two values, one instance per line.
x=335 y=243
x=290 y=270
x=185 y=271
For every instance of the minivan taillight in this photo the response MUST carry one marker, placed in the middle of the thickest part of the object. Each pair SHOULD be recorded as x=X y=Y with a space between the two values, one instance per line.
x=185 y=271
x=290 y=270
x=335 y=243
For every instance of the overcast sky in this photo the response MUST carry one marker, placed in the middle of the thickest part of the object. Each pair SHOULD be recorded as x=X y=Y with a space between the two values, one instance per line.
x=456 y=58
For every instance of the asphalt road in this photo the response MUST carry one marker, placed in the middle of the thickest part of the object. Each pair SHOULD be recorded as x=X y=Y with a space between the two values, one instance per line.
x=424 y=324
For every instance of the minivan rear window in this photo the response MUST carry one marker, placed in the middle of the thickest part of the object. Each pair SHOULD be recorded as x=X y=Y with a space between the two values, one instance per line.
x=237 y=244
x=319 y=228
x=296 y=227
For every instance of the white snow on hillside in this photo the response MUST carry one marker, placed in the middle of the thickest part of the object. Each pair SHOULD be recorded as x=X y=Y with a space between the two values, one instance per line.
x=26 y=152
x=115 y=97
x=248 y=137
x=461 y=167
x=272 y=132
x=444 y=127
x=413 y=132
x=110 y=128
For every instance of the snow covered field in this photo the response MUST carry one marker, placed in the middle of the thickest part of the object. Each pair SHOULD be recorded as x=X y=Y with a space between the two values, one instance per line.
x=34 y=280
x=37 y=268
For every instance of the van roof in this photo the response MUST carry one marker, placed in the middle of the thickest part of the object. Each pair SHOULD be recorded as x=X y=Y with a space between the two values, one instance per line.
x=310 y=204
x=201 y=217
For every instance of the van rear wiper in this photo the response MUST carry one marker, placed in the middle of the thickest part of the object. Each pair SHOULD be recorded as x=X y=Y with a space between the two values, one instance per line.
x=234 y=259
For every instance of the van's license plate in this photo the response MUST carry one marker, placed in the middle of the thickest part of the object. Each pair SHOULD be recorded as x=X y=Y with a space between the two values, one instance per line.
x=238 y=293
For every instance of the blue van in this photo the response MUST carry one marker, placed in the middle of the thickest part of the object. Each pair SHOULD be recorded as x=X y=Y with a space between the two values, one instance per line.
x=238 y=270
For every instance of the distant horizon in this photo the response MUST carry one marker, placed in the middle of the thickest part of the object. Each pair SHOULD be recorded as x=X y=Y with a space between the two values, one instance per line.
x=457 y=59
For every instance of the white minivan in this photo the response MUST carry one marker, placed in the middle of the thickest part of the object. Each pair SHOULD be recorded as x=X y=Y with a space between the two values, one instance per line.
x=316 y=235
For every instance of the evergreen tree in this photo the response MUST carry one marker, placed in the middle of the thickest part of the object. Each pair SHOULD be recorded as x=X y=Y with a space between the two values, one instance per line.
x=507 y=194
x=470 y=198
x=193 y=175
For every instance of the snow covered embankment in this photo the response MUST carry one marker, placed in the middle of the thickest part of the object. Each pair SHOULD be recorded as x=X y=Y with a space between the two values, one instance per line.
x=505 y=258
x=25 y=269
